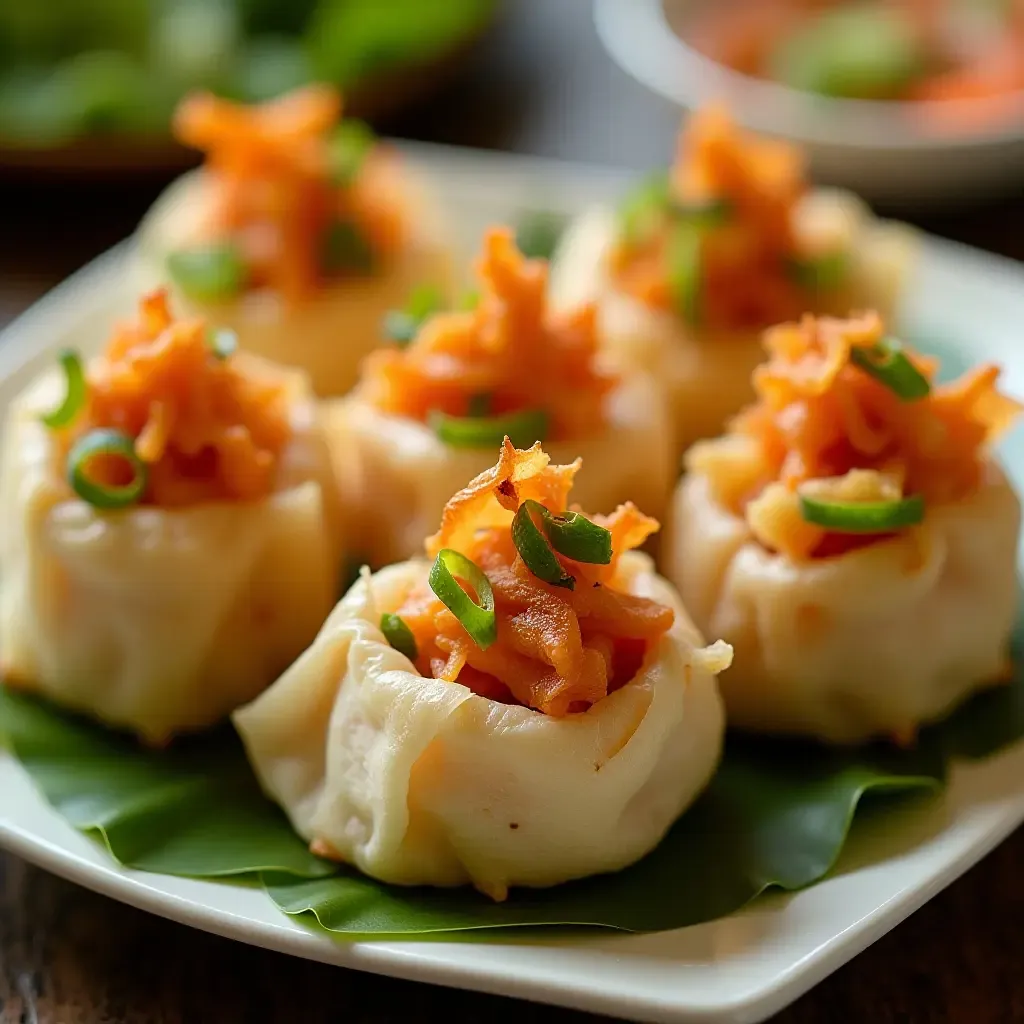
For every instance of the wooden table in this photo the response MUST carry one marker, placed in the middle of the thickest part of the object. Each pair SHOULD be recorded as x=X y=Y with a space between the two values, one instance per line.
x=540 y=84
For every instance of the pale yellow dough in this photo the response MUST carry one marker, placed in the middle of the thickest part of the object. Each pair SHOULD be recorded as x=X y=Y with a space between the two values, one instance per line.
x=327 y=336
x=706 y=374
x=160 y=621
x=417 y=781
x=396 y=475
x=871 y=643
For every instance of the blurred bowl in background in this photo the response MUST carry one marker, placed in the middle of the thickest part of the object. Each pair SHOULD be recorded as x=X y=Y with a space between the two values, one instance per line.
x=887 y=150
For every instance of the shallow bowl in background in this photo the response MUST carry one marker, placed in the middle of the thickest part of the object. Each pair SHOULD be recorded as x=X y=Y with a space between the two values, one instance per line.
x=887 y=151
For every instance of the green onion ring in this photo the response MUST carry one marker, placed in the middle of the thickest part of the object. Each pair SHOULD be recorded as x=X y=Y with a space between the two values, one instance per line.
x=105 y=496
x=478 y=620
x=889 y=365
x=863 y=516
x=708 y=213
x=521 y=428
x=399 y=635
x=534 y=548
x=577 y=537
x=74 y=393
x=223 y=342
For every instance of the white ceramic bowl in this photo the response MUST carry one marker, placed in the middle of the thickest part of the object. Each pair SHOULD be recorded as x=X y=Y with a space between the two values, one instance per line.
x=883 y=150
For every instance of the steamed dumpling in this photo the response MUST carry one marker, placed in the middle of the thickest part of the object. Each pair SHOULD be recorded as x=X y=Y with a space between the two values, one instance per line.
x=505 y=367
x=848 y=635
x=522 y=762
x=316 y=232
x=165 y=614
x=694 y=266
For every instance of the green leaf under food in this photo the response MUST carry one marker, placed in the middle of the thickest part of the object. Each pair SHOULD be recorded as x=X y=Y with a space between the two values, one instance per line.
x=538 y=234
x=195 y=810
x=777 y=814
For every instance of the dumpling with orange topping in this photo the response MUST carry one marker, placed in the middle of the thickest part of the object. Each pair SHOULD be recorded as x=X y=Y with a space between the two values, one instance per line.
x=853 y=537
x=300 y=232
x=426 y=416
x=170 y=530
x=698 y=262
x=529 y=706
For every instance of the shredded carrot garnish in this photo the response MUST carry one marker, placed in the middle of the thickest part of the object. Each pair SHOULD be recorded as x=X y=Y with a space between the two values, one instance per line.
x=274 y=193
x=821 y=422
x=558 y=650
x=510 y=349
x=209 y=429
x=745 y=277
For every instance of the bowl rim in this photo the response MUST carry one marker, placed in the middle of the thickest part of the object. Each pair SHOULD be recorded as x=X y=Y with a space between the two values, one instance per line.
x=638 y=37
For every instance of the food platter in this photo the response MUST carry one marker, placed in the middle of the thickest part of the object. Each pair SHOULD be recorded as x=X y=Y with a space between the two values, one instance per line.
x=741 y=968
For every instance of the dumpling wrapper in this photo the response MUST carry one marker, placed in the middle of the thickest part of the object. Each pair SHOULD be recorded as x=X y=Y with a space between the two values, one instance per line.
x=417 y=781
x=706 y=373
x=868 y=644
x=160 y=621
x=329 y=334
x=396 y=475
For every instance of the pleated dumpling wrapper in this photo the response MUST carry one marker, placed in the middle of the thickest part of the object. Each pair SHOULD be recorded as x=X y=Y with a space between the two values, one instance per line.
x=299 y=232
x=852 y=537
x=467 y=721
x=428 y=415
x=699 y=261
x=169 y=540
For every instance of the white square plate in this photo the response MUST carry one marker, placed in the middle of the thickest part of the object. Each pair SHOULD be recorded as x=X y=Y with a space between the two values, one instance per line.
x=740 y=969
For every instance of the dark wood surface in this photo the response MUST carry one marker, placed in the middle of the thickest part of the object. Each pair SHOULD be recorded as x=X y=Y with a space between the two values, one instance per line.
x=539 y=84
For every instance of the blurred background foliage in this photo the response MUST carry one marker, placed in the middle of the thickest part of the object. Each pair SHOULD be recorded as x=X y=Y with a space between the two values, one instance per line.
x=71 y=69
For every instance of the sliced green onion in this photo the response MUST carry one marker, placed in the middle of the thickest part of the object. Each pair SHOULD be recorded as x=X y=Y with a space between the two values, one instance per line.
x=576 y=537
x=644 y=208
x=478 y=620
x=208 y=273
x=821 y=273
x=479 y=406
x=402 y=325
x=533 y=546
x=522 y=429
x=345 y=248
x=399 y=635
x=223 y=342
x=348 y=149
x=888 y=364
x=538 y=234
x=707 y=214
x=683 y=263
x=74 y=391
x=863 y=516
x=106 y=496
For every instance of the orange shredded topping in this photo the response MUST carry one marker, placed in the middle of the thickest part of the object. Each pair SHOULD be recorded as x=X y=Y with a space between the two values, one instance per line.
x=274 y=193
x=510 y=348
x=558 y=650
x=209 y=429
x=745 y=278
x=820 y=420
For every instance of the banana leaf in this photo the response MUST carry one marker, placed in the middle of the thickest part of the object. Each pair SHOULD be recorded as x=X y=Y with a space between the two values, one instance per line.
x=777 y=814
